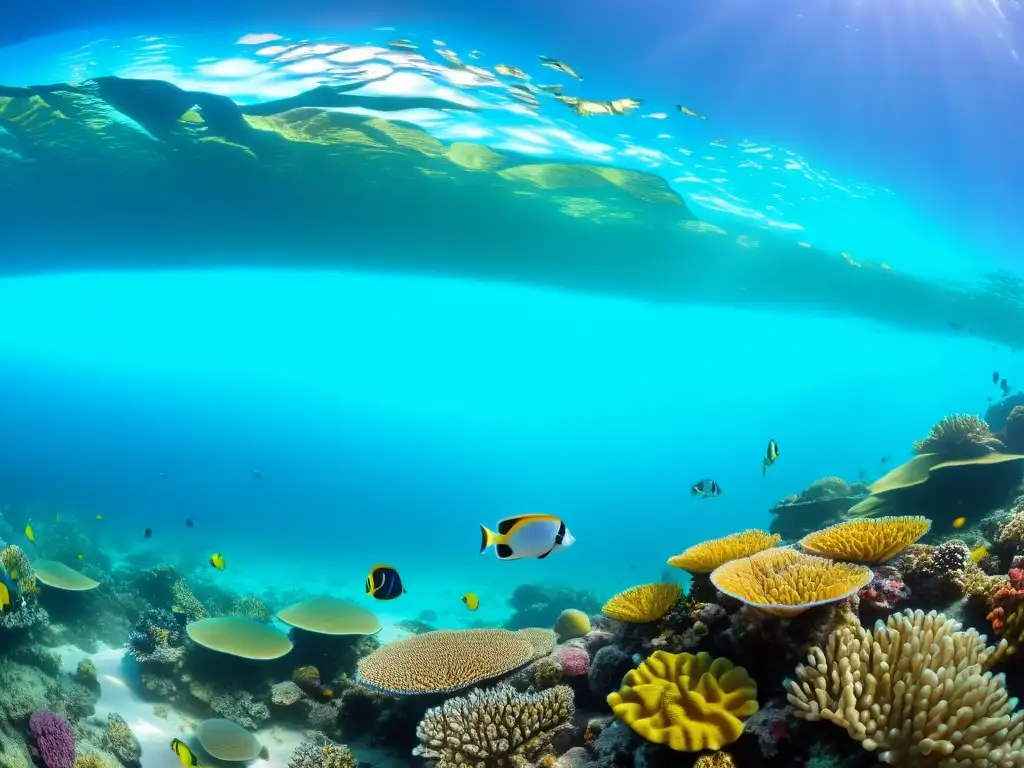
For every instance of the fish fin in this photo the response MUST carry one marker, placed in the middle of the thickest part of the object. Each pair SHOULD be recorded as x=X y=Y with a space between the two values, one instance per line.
x=487 y=538
x=505 y=526
x=369 y=586
x=504 y=551
x=541 y=557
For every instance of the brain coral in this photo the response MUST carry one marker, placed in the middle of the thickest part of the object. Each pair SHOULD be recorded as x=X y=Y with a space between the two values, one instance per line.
x=708 y=555
x=785 y=582
x=643 y=603
x=686 y=702
x=444 y=660
x=493 y=728
x=916 y=690
x=571 y=623
x=867 y=540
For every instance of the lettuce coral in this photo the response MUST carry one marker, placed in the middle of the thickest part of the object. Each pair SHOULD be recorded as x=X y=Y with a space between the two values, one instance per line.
x=687 y=702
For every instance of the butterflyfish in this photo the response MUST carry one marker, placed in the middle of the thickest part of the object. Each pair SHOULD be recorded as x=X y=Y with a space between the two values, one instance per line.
x=959 y=522
x=217 y=561
x=525 y=536
x=705 y=488
x=770 y=456
x=185 y=756
x=471 y=601
x=30 y=534
x=384 y=583
x=5 y=597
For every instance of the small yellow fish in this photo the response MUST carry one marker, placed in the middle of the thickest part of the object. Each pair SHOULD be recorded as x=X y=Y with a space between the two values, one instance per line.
x=185 y=756
x=30 y=534
x=959 y=522
x=80 y=557
x=5 y=597
x=217 y=561
x=689 y=112
x=471 y=601
x=979 y=554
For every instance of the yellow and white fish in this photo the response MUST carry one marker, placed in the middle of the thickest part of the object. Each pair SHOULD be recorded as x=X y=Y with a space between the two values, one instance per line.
x=525 y=536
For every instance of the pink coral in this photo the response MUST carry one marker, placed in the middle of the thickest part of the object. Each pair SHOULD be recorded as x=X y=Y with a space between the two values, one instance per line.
x=575 y=662
x=53 y=740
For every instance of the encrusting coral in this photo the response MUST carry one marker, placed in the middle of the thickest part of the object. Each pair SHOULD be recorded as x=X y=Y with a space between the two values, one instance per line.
x=493 y=728
x=706 y=556
x=868 y=540
x=959 y=436
x=444 y=660
x=915 y=690
x=785 y=582
x=643 y=603
x=687 y=702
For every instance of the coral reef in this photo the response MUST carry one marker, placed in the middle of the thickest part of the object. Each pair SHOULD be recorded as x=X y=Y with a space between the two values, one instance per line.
x=959 y=436
x=821 y=504
x=706 y=556
x=493 y=728
x=643 y=603
x=53 y=741
x=540 y=605
x=318 y=751
x=870 y=540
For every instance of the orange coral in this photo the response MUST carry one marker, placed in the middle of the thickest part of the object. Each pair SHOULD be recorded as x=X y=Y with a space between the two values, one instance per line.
x=1007 y=599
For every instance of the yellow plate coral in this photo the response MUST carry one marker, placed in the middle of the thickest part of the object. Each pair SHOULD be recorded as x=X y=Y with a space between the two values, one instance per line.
x=867 y=540
x=708 y=555
x=686 y=702
x=785 y=582
x=643 y=603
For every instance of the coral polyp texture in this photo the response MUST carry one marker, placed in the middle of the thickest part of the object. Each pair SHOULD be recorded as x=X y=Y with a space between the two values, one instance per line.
x=784 y=582
x=686 y=702
x=643 y=603
x=959 y=436
x=709 y=555
x=444 y=660
x=915 y=691
x=542 y=640
x=868 y=540
x=493 y=728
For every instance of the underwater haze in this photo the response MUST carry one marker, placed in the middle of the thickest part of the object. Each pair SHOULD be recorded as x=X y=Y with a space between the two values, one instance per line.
x=317 y=290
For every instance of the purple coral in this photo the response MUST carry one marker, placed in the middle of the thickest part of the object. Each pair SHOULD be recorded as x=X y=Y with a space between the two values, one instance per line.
x=53 y=740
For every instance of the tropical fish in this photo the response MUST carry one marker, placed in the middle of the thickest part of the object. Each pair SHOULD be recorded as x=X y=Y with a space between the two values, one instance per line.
x=56 y=518
x=99 y=517
x=217 y=561
x=30 y=534
x=510 y=71
x=80 y=557
x=185 y=756
x=770 y=456
x=995 y=377
x=384 y=583
x=188 y=523
x=689 y=112
x=979 y=553
x=471 y=601
x=706 y=488
x=959 y=522
x=148 y=533
x=5 y=597
x=559 y=66
x=525 y=536
x=325 y=692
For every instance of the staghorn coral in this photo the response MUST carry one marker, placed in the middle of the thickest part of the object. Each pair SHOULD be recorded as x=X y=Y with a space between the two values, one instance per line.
x=708 y=555
x=784 y=582
x=444 y=661
x=571 y=623
x=494 y=728
x=959 y=436
x=867 y=540
x=643 y=603
x=318 y=751
x=915 y=689
x=186 y=602
x=687 y=702
x=251 y=608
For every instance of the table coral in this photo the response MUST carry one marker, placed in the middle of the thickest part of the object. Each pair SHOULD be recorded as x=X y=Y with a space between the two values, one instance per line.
x=687 y=702
x=493 y=728
x=916 y=690
x=643 y=603
x=868 y=540
x=705 y=556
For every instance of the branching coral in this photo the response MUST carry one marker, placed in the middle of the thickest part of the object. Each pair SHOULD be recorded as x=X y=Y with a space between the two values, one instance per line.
x=869 y=540
x=320 y=752
x=916 y=690
x=494 y=728
x=959 y=436
x=644 y=603
x=708 y=555
x=687 y=702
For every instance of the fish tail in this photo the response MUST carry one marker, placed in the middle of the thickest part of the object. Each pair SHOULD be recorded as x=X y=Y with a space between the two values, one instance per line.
x=487 y=538
x=694 y=490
